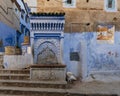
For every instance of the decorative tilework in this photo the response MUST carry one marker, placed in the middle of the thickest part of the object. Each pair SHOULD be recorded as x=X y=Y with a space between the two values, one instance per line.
x=47 y=33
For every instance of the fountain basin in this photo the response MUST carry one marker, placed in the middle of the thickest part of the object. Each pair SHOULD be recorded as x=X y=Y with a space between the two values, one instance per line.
x=48 y=72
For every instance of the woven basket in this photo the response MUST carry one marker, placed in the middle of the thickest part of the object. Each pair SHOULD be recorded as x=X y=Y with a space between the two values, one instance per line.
x=26 y=39
x=10 y=50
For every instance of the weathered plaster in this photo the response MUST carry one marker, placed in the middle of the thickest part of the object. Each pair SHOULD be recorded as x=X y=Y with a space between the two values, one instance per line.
x=85 y=12
x=7 y=35
x=17 y=61
x=93 y=56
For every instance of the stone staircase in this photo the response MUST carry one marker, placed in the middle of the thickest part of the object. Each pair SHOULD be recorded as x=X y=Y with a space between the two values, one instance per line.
x=14 y=75
x=18 y=83
x=1 y=61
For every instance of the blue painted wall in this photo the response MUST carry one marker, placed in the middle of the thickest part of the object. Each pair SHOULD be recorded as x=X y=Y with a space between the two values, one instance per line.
x=99 y=57
x=7 y=35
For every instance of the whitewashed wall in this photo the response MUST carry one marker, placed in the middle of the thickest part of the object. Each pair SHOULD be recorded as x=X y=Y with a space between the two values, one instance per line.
x=17 y=61
x=94 y=57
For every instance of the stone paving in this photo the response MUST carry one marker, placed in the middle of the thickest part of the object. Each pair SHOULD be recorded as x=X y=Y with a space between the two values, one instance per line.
x=96 y=87
x=93 y=86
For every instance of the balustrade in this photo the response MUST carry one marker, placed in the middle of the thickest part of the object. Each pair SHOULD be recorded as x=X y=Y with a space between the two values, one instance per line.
x=47 y=26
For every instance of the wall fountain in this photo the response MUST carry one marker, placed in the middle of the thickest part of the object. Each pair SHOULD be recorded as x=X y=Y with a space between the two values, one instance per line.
x=47 y=35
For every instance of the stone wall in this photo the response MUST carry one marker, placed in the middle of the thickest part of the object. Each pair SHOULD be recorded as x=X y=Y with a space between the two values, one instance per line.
x=85 y=12
x=8 y=15
x=17 y=61
x=32 y=4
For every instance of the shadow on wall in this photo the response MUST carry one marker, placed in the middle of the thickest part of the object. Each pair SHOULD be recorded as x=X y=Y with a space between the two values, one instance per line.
x=7 y=36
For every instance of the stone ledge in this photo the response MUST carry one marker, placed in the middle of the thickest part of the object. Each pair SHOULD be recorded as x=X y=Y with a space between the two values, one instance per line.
x=48 y=72
x=25 y=43
x=47 y=66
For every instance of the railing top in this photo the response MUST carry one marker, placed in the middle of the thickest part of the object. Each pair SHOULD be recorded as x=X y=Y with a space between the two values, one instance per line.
x=47 y=16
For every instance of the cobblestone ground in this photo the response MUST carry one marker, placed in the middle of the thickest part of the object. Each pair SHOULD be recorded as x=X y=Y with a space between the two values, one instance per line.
x=96 y=87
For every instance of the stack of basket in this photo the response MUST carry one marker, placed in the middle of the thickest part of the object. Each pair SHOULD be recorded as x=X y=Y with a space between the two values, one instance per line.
x=9 y=50
x=26 y=39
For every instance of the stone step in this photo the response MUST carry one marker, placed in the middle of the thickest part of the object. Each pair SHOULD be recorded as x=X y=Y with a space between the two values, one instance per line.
x=34 y=84
x=1 y=66
x=68 y=95
x=18 y=91
x=19 y=71
x=32 y=91
x=10 y=95
x=1 y=60
x=14 y=77
x=1 y=57
x=91 y=94
x=1 y=63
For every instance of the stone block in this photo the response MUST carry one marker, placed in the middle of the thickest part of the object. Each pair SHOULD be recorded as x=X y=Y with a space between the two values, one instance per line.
x=48 y=73
x=17 y=61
